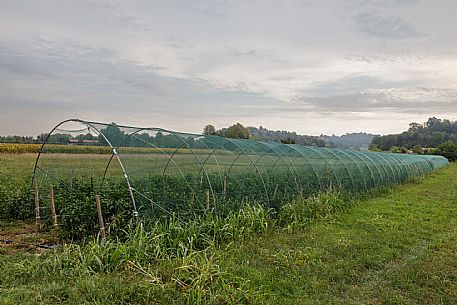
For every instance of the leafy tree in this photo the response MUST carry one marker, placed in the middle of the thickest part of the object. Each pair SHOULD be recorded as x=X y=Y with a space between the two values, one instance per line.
x=87 y=136
x=414 y=127
x=236 y=131
x=448 y=149
x=398 y=150
x=209 y=130
x=114 y=135
x=59 y=138
x=434 y=132
x=417 y=149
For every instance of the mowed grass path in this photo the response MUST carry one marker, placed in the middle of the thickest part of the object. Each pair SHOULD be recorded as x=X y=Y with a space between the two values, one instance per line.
x=400 y=248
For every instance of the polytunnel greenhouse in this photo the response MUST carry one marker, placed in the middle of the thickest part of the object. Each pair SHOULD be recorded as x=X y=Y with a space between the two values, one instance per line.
x=147 y=172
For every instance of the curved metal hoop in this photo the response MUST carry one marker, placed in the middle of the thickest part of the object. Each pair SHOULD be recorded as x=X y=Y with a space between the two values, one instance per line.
x=333 y=164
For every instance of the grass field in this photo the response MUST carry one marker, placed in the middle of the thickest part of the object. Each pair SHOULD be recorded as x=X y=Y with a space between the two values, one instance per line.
x=397 y=247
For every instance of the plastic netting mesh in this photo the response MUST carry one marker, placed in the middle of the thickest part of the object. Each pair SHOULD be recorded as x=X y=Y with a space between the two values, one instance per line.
x=155 y=171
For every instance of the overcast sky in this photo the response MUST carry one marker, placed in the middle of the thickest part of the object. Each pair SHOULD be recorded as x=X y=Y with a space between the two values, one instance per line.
x=311 y=66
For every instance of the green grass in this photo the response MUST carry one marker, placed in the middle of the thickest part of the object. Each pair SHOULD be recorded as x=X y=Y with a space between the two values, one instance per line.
x=399 y=247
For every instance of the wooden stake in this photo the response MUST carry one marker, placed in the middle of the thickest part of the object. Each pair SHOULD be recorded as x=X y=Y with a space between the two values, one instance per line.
x=192 y=199
x=71 y=177
x=275 y=191
x=225 y=184
x=53 y=208
x=100 y=217
x=37 y=206
x=207 y=199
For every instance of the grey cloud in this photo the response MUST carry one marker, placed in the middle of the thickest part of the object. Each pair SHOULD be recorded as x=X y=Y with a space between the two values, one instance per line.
x=415 y=100
x=185 y=63
x=213 y=8
x=101 y=81
x=385 y=3
x=391 y=27
x=254 y=54
x=354 y=84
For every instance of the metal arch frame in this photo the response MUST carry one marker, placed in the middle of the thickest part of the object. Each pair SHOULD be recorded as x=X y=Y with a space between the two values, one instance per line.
x=171 y=158
x=295 y=149
x=253 y=164
x=90 y=125
x=428 y=167
x=217 y=163
x=400 y=169
x=201 y=166
x=179 y=169
x=416 y=166
x=214 y=157
x=425 y=166
x=207 y=137
x=277 y=160
x=431 y=164
x=285 y=153
x=394 y=164
x=388 y=162
x=218 y=147
x=346 y=153
x=364 y=157
x=405 y=165
x=375 y=161
x=291 y=164
x=326 y=164
x=183 y=142
x=212 y=154
x=306 y=165
x=342 y=162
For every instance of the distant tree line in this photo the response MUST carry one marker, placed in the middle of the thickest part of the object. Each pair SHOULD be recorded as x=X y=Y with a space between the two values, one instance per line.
x=112 y=132
x=436 y=136
x=18 y=139
x=236 y=131
x=359 y=141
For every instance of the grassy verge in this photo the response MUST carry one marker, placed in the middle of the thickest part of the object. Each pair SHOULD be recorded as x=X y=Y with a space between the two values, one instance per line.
x=398 y=247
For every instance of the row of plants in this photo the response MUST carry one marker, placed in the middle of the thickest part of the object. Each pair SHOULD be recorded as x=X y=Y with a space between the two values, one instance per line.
x=157 y=197
x=180 y=257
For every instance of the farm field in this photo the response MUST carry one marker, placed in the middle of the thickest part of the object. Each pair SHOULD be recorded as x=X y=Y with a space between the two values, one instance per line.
x=393 y=246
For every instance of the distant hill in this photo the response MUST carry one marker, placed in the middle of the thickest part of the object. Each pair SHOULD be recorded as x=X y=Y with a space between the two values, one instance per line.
x=359 y=141
x=284 y=136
